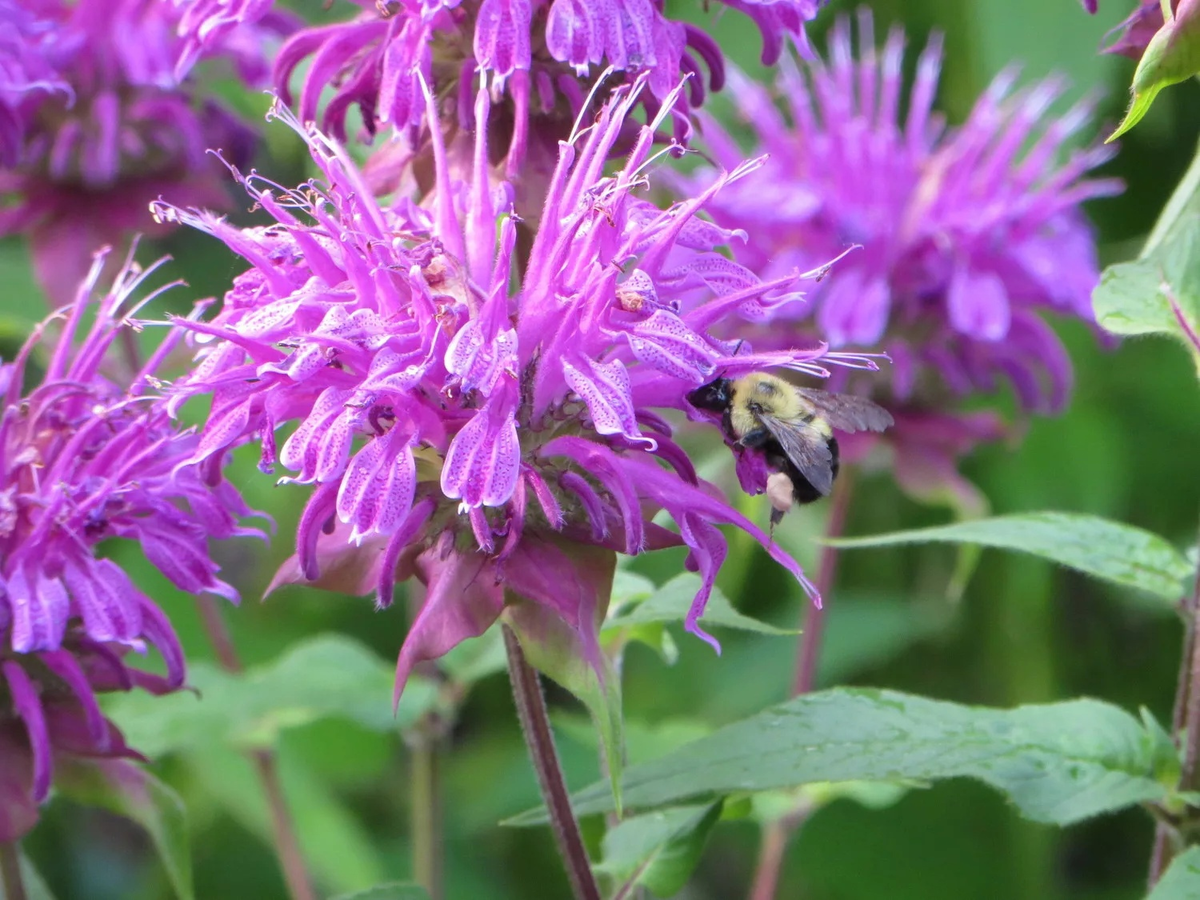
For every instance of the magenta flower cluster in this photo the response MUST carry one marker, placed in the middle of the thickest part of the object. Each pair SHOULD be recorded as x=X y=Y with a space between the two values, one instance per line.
x=964 y=236
x=94 y=124
x=472 y=425
x=541 y=52
x=84 y=461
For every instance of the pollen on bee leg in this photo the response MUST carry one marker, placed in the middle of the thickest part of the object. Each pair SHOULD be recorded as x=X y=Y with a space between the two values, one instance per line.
x=781 y=494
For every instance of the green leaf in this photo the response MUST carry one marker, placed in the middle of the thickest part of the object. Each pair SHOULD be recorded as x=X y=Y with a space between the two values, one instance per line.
x=394 y=891
x=1184 y=204
x=770 y=806
x=333 y=841
x=325 y=676
x=130 y=791
x=671 y=602
x=661 y=849
x=1172 y=56
x=1119 y=553
x=1159 y=293
x=1181 y=881
x=1057 y=763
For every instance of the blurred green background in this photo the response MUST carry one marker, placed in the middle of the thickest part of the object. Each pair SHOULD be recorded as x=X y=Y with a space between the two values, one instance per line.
x=1023 y=631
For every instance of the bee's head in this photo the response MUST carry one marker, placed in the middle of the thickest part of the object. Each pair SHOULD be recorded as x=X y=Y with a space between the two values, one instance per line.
x=712 y=397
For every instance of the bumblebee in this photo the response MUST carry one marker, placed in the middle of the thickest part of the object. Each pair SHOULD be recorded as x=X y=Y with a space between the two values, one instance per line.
x=792 y=426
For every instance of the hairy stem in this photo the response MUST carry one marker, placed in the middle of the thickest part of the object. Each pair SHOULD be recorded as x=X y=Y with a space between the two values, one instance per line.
x=287 y=847
x=1185 y=723
x=535 y=725
x=426 y=815
x=10 y=872
x=779 y=833
x=814 y=622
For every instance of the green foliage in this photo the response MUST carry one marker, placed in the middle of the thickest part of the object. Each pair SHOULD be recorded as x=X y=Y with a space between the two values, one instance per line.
x=392 y=891
x=1159 y=293
x=659 y=850
x=1122 y=554
x=334 y=842
x=128 y=791
x=1182 y=880
x=1057 y=763
x=327 y=675
x=1172 y=56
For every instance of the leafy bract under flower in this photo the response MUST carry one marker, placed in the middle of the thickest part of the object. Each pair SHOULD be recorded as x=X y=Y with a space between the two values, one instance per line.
x=468 y=419
x=965 y=236
x=83 y=461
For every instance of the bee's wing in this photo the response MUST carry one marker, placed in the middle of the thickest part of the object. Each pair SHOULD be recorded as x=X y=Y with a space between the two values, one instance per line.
x=847 y=412
x=806 y=447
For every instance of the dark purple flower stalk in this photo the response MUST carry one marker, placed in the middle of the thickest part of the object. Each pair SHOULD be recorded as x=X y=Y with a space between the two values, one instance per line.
x=967 y=236
x=83 y=461
x=116 y=131
x=535 y=51
x=488 y=425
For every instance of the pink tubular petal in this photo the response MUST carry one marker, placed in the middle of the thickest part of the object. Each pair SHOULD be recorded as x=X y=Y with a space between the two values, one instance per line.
x=978 y=304
x=104 y=597
x=502 y=36
x=484 y=459
x=318 y=513
x=156 y=628
x=64 y=665
x=39 y=615
x=604 y=387
x=402 y=540
x=708 y=551
x=28 y=707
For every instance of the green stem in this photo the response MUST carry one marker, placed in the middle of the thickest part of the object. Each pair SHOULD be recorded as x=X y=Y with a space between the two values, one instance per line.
x=287 y=846
x=10 y=872
x=1185 y=724
x=535 y=725
x=426 y=815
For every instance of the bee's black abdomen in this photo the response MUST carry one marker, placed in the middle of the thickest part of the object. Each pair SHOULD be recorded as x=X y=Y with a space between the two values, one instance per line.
x=802 y=488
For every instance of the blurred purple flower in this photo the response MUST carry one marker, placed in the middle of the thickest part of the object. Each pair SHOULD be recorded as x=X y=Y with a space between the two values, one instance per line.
x=117 y=132
x=486 y=430
x=83 y=461
x=27 y=67
x=236 y=28
x=966 y=235
x=537 y=50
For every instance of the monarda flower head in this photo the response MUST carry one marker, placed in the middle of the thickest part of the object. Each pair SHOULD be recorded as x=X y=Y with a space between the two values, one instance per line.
x=487 y=421
x=28 y=66
x=84 y=461
x=967 y=236
x=533 y=51
x=119 y=132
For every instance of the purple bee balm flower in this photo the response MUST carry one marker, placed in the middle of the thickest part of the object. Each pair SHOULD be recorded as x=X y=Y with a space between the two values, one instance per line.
x=537 y=50
x=83 y=461
x=493 y=428
x=967 y=236
x=119 y=133
x=28 y=67
x=229 y=27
